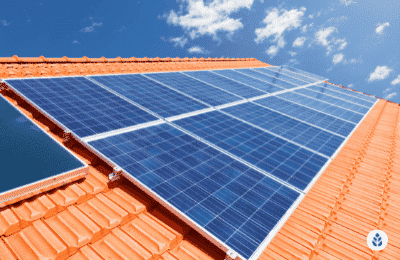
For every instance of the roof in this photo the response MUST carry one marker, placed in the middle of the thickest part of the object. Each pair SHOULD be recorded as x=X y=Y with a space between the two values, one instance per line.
x=96 y=218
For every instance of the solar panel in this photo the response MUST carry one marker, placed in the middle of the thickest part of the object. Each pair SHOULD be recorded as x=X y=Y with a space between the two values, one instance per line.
x=197 y=89
x=306 y=114
x=284 y=160
x=82 y=106
x=299 y=132
x=226 y=84
x=256 y=83
x=291 y=74
x=351 y=92
x=266 y=78
x=342 y=96
x=150 y=94
x=28 y=156
x=321 y=106
x=282 y=76
x=287 y=69
x=233 y=202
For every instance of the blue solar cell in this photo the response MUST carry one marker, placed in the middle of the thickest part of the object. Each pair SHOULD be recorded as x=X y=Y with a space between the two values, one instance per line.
x=323 y=88
x=322 y=120
x=215 y=185
x=268 y=79
x=197 y=89
x=351 y=93
x=282 y=76
x=226 y=84
x=268 y=152
x=333 y=100
x=321 y=106
x=69 y=100
x=256 y=83
x=282 y=125
x=286 y=69
x=151 y=95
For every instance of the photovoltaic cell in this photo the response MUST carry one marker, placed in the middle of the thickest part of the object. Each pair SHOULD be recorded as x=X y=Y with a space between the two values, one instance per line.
x=194 y=88
x=226 y=84
x=82 y=106
x=266 y=78
x=292 y=74
x=270 y=153
x=282 y=76
x=323 y=88
x=321 y=106
x=227 y=198
x=302 y=72
x=264 y=86
x=306 y=114
x=352 y=93
x=333 y=100
x=292 y=129
x=150 y=94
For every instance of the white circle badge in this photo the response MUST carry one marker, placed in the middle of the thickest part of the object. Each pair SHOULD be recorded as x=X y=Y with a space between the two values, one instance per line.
x=377 y=240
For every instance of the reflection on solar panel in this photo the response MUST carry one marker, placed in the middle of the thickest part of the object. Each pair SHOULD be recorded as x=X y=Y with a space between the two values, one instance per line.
x=82 y=106
x=282 y=76
x=308 y=115
x=322 y=88
x=321 y=106
x=313 y=77
x=235 y=203
x=333 y=100
x=292 y=129
x=197 y=89
x=291 y=74
x=270 y=153
x=151 y=95
x=350 y=92
x=226 y=84
x=264 y=86
x=266 y=78
x=28 y=155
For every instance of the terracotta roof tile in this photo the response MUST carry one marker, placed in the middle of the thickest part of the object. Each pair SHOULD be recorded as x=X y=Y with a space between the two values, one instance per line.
x=85 y=253
x=66 y=196
x=5 y=253
x=9 y=222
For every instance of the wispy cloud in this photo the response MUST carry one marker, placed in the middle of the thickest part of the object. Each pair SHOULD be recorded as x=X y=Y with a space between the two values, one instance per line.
x=197 y=49
x=4 y=23
x=277 y=22
x=299 y=42
x=91 y=28
x=179 y=41
x=342 y=43
x=381 y=27
x=75 y=42
x=396 y=80
x=350 y=86
x=391 y=95
x=381 y=72
x=208 y=18
x=337 y=58
x=347 y=2
x=292 y=53
x=322 y=35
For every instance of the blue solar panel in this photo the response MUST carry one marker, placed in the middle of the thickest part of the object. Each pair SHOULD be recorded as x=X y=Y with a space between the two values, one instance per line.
x=194 y=88
x=226 y=84
x=292 y=129
x=282 y=159
x=225 y=197
x=82 y=106
x=352 y=93
x=288 y=69
x=292 y=74
x=333 y=100
x=266 y=78
x=321 y=106
x=322 y=120
x=151 y=95
x=282 y=76
x=264 y=86
x=322 y=88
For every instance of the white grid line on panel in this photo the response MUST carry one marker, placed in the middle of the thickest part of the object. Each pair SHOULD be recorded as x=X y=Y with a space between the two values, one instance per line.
x=189 y=114
x=253 y=69
x=348 y=94
x=232 y=104
x=296 y=76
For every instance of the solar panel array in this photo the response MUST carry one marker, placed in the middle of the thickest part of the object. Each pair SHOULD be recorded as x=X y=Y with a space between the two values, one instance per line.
x=253 y=142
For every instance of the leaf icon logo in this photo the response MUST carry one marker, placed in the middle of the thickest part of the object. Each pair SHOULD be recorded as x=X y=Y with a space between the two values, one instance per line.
x=377 y=241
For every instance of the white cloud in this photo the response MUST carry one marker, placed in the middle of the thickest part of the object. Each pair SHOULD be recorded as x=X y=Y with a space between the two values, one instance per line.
x=323 y=34
x=311 y=16
x=75 y=42
x=210 y=18
x=179 y=41
x=381 y=27
x=350 y=85
x=337 y=58
x=91 y=28
x=197 y=49
x=342 y=45
x=391 y=95
x=4 y=23
x=396 y=80
x=292 y=53
x=381 y=72
x=299 y=42
x=347 y=2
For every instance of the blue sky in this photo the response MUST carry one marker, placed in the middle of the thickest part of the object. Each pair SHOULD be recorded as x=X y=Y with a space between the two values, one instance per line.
x=352 y=42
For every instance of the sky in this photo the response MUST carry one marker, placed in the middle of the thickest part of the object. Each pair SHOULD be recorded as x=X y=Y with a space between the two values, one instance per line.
x=353 y=43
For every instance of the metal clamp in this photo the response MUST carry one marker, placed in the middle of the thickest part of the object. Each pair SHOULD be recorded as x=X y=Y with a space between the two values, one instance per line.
x=232 y=254
x=116 y=174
